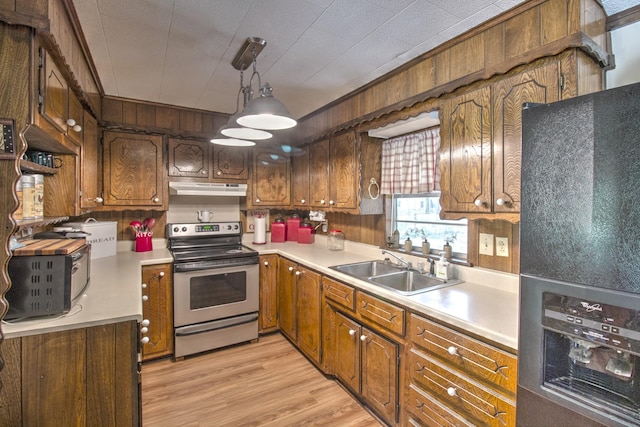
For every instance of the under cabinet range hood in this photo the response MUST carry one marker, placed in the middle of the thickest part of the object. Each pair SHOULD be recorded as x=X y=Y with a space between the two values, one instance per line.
x=184 y=188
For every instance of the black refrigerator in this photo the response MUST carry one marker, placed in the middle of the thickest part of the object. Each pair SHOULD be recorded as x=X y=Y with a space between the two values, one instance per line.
x=579 y=330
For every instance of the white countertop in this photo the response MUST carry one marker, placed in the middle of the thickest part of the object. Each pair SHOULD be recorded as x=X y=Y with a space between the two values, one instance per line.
x=113 y=295
x=485 y=304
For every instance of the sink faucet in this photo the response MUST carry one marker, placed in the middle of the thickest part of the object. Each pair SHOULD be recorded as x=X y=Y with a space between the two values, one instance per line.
x=400 y=260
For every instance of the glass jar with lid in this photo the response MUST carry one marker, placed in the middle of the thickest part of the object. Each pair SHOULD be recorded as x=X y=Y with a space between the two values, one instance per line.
x=335 y=240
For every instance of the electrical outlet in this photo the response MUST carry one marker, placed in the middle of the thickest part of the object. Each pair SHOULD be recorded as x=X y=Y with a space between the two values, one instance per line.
x=486 y=244
x=502 y=246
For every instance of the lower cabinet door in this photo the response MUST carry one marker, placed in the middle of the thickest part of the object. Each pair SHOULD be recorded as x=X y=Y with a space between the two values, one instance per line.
x=380 y=374
x=347 y=352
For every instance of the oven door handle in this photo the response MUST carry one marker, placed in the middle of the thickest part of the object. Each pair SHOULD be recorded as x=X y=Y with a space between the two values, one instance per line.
x=216 y=325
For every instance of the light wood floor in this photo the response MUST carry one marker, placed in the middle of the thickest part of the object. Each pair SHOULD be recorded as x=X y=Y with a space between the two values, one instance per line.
x=267 y=383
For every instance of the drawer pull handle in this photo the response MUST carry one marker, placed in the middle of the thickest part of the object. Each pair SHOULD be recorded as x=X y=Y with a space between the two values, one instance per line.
x=352 y=332
x=452 y=350
x=451 y=391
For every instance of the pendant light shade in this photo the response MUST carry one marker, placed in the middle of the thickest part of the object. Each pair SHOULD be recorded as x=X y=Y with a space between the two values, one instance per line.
x=233 y=130
x=266 y=112
x=231 y=142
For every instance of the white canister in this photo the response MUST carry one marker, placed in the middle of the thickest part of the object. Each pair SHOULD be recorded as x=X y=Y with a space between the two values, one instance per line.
x=38 y=197
x=28 y=197
x=18 y=213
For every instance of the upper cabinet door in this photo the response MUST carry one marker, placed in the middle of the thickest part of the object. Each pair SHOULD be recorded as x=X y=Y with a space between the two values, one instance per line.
x=319 y=174
x=540 y=85
x=270 y=181
x=133 y=170
x=300 y=179
x=189 y=158
x=230 y=163
x=343 y=172
x=55 y=91
x=90 y=164
x=465 y=152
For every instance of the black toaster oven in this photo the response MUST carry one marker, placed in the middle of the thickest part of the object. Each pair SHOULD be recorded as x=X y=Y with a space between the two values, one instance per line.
x=46 y=285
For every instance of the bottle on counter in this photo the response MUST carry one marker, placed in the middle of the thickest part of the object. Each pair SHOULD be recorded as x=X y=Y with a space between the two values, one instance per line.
x=442 y=267
x=447 y=251
x=426 y=247
x=408 y=245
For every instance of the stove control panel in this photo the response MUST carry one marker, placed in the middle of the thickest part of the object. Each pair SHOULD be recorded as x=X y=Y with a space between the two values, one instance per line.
x=204 y=229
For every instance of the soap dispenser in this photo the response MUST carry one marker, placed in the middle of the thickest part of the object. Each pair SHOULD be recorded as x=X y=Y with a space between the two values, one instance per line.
x=442 y=267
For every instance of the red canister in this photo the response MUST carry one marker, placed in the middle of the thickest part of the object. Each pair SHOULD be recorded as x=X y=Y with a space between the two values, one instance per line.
x=306 y=233
x=293 y=224
x=278 y=230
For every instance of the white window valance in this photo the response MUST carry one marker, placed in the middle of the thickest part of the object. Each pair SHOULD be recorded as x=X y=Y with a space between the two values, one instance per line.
x=410 y=163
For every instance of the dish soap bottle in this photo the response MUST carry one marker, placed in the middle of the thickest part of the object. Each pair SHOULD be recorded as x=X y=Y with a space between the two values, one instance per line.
x=426 y=247
x=408 y=245
x=442 y=267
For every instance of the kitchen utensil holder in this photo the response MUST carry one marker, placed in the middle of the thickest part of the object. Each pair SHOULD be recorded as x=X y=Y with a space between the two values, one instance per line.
x=143 y=241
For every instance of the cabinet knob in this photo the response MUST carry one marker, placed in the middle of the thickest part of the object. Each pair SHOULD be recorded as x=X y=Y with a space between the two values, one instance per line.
x=479 y=203
x=451 y=391
x=322 y=202
x=156 y=200
x=144 y=330
x=298 y=273
x=303 y=201
x=363 y=338
x=71 y=122
x=291 y=268
x=352 y=332
x=144 y=286
x=266 y=263
x=500 y=202
x=145 y=340
x=257 y=200
x=145 y=322
x=331 y=202
x=452 y=350
x=145 y=298
x=99 y=199
x=161 y=274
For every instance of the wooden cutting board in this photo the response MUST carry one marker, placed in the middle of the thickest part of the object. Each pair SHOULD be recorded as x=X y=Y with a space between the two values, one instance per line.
x=50 y=247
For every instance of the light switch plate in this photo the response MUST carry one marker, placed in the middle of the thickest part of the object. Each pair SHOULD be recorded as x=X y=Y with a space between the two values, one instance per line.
x=486 y=244
x=502 y=246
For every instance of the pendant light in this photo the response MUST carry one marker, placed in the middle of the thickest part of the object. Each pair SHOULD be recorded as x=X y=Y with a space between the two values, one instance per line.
x=265 y=112
x=231 y=142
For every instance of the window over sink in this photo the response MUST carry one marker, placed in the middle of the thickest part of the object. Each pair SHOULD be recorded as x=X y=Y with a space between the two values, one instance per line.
x=418 y=216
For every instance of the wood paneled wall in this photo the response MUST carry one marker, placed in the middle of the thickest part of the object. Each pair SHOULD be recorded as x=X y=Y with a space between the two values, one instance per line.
x=532 y=30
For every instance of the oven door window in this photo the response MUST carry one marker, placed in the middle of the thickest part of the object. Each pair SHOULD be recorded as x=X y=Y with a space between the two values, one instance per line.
x=217 y=289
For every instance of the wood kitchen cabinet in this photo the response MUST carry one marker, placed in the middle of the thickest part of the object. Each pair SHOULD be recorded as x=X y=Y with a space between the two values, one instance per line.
x=481 y=139
x=270 y=180
x=361 y=347
x=202 y=161
x=268 y=316
x=76 y=377
x=457 y=380
x=333 y=174
x=367 y=363
x=157 y=309
x=90 y=195
x=57 y=102
x=300 y=179
x=299 y=307
x=134 y=172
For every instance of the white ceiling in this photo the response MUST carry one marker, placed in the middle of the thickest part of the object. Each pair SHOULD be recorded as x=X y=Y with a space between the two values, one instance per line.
x=179 y=52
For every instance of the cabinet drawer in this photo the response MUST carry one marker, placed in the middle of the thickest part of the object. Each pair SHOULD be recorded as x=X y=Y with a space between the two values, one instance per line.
x=428 y=412
x=339 y=293
x=465 y=396
x=384 y=314
x=495 y=367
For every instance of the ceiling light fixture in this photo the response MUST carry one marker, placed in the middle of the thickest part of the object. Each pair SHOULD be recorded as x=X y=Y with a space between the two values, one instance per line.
x=265 y=112
x=231 y=142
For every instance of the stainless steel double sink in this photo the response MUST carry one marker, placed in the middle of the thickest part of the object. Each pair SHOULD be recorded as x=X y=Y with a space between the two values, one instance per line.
x=395 y=278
